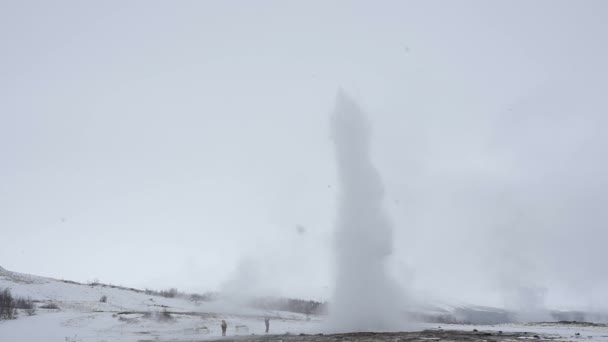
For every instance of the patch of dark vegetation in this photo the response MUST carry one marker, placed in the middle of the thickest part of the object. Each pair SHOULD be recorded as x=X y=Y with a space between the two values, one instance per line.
x=7 y=305
x=174 y=293
x=50 y=306
x=129 y=312
x=170 y=293
x=163 y=316
x=152 y=314
x=10 y=304
x=308 y=307
x=27 y=305
x=205 y=297
x=96 y=283
x=24 y=303
x=127 y=320
x=582 y=324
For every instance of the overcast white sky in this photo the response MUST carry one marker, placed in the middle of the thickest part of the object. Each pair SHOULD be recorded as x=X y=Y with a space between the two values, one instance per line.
x=157 y=144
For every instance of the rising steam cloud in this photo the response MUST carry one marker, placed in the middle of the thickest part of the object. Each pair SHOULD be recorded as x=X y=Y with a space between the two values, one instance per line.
x=365 y=297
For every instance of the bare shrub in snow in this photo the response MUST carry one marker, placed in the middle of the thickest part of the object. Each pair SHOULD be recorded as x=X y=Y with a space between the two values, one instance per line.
x=103 y=299
x=165 y=316
x=50 y=306
x=10 y=304
x=27 y=305
x=93 y=282
x=206 y=297
x=171 y=293
x=24 y=303
x=7 y=305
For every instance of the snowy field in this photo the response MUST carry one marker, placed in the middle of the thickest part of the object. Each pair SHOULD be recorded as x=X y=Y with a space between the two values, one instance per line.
x=130 y=316
x=134 y=316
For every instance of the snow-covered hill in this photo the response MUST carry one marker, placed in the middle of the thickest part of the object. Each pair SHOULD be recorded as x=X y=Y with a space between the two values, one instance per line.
x=132 y=315
x=129 y=314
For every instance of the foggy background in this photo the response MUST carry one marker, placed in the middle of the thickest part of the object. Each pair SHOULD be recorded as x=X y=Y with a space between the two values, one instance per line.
x=156 y=144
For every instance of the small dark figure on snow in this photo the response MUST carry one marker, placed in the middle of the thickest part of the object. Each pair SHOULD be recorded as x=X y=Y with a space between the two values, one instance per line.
x=267 y=322
x=224 y=326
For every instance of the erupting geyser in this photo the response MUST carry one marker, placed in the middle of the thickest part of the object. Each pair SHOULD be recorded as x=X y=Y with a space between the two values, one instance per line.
x=365 y=297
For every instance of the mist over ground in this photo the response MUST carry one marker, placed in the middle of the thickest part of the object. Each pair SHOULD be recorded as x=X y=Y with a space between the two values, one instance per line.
x=191 y=147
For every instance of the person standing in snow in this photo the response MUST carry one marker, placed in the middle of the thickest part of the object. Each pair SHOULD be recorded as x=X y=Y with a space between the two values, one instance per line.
x=224 y=326
x=267 y=322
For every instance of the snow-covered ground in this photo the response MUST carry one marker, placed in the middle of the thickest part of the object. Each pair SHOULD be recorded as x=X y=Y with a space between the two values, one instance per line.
x=557 y=331
x=103 y=326
x=135 y=316
x=129 y=315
